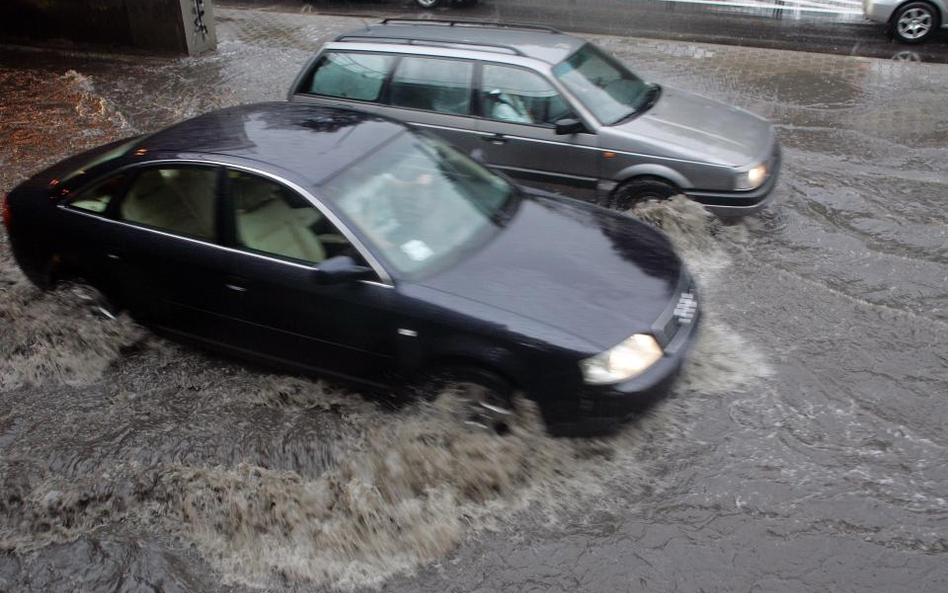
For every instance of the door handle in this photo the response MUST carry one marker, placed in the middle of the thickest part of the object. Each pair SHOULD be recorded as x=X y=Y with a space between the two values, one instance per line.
x=495 y=139
x=235 y=284
x=114 y=253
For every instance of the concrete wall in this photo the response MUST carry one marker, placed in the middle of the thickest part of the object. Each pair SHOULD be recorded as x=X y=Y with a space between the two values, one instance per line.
x=164 y=26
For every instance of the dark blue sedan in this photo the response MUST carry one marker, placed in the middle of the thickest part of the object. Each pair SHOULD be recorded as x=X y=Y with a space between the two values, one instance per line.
x=351 y=245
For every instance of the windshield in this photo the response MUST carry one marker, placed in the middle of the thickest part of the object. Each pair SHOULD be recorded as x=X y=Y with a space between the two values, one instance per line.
x=602 y=84
x=421 y=203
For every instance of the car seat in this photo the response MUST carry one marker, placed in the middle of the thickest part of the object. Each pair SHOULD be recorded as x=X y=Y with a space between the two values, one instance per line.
x=267 y=223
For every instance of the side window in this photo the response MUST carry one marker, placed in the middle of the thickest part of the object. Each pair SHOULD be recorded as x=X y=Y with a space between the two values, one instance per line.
x=520 y=96
x=350 y=75
x=175 y=199
x=97 y=198
x=274 y=220
x=432 y=84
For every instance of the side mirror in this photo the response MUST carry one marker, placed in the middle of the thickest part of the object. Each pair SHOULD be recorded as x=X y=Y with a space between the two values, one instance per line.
x=341 y=268
x=565 y=127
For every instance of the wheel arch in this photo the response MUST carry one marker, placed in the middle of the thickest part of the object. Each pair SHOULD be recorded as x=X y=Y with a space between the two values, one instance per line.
x=938 y=8
x=503 y=366
x=654 y=170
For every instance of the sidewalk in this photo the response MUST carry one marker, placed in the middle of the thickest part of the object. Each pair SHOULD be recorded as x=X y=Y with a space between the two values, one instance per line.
x=260 y=52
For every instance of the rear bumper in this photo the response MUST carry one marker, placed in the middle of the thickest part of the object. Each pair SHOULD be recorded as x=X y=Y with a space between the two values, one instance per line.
x=741 y=203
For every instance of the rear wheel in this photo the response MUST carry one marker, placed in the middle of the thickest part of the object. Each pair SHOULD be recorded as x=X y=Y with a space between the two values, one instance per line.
x=914 y=23
x=486 y=398
x=641 y=190
x=99 y=301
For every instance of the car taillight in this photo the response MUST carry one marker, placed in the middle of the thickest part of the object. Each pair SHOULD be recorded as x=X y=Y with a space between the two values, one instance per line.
x=5 y=210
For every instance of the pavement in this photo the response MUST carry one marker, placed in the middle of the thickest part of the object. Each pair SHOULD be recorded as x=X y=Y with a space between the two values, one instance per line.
x=802 y=451
x=822 y=26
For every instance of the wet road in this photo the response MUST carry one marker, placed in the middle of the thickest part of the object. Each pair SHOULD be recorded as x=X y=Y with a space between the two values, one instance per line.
x=803 y=450
x=825 y=26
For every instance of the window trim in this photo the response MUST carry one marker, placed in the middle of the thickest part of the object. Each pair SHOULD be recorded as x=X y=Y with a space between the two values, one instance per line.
x=385 y=278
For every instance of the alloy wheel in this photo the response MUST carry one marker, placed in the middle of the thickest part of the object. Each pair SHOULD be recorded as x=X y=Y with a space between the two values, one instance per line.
x=484 y=409
x=914 y=23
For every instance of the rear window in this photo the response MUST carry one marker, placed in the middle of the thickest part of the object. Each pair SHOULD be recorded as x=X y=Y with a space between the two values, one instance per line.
x=349 y=76
x=109 y=155
x=97 y=198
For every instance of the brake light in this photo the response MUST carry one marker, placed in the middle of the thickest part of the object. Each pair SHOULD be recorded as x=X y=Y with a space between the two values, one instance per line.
x=5 y=210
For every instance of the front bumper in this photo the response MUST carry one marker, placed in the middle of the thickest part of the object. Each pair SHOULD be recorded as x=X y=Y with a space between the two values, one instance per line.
x=603 y=408
x=741 y=203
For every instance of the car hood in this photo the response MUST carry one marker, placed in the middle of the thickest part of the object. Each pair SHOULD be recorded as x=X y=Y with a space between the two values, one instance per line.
x=701 y=129
x=595 y=274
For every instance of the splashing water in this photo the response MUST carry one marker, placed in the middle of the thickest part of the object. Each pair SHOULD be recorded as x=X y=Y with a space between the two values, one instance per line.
x=703 y=240
x=57 y=336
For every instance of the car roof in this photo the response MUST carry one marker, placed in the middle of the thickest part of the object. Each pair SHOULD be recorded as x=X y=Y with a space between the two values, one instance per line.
x=311 y=141
x=533 y=41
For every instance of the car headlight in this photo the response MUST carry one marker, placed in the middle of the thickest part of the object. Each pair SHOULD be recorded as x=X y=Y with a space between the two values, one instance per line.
x=752 y=179
x=622 y=361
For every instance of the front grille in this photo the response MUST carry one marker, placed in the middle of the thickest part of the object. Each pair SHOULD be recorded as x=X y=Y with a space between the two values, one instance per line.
x=681 y=311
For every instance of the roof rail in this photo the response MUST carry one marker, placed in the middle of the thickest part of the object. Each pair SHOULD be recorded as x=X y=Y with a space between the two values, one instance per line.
x=466 y=23
x=449 y=43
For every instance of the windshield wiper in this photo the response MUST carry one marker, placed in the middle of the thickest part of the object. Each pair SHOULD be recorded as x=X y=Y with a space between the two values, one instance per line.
x=651 y=96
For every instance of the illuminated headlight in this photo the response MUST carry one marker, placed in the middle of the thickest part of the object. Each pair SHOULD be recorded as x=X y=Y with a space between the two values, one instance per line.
x=623 y=361
x=753 y=178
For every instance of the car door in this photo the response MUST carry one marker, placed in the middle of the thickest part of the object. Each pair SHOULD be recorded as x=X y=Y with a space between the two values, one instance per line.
x=88 y=237
x=436 y=94
x=279 y=238
x=165 y=242
x=519 y=110
x=346 y=79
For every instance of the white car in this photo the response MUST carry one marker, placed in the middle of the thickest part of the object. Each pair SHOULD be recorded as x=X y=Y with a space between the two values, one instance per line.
x=909 y=21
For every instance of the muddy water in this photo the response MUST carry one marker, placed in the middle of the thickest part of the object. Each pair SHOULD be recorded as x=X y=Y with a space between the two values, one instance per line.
x=801 y=450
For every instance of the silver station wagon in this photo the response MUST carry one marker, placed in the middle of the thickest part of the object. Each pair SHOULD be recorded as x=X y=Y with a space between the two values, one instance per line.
x=550 y=109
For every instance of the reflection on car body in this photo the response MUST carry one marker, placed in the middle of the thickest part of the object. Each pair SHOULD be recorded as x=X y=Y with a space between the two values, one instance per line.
x=550 y=108
x=348 y=244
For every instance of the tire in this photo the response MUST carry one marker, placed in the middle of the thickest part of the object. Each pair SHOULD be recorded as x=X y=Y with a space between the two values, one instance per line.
x=640 y=190
x=428 y=4
x=488 y=397
x=914 y=22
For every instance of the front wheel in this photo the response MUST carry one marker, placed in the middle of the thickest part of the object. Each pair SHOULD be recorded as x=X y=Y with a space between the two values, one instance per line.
x=914 y=23
x=641 y=190
x=486 y=398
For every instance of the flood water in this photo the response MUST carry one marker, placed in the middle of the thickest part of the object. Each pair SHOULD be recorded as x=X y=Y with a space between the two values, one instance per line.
x=802 y=449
